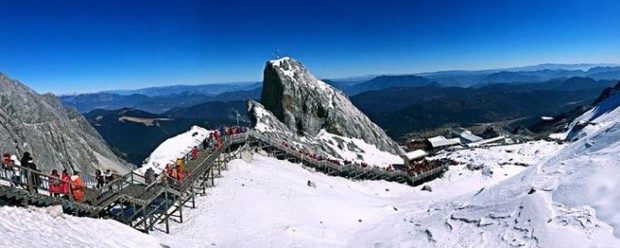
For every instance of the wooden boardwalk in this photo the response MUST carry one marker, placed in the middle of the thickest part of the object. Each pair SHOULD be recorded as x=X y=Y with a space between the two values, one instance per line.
x=148 y=207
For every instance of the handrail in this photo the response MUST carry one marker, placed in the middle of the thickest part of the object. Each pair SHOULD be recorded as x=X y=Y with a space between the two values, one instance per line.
x=44 y=179
x=153 y=190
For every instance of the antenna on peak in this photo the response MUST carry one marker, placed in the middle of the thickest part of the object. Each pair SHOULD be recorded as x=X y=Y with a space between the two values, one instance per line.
x=277 y=53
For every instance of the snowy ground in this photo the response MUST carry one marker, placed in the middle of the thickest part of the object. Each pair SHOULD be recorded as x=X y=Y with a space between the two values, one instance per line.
x=36 y=227
x=568 y=200
x=173 y=148
x=267 y=203
x=495 y=164
x=540 y=194
x=358 y=151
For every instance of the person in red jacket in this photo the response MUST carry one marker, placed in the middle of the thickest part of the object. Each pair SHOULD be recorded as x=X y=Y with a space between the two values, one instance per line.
x=65 y=183
x=195 y=153
x=55 y=184
x=168 y=169
x=180 y=174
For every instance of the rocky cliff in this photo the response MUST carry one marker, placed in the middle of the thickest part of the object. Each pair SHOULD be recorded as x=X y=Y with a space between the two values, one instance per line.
x=324 y=144
x=57 y=137
x=307 y=105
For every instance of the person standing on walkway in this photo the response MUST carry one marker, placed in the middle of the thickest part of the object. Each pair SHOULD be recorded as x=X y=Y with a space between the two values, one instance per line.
x=65 y=183
x=16 y=178
x=149 y=176
x=108 y=176
x=194 y=153
x=55 y=186
x=180 y=164
x=6 y=165
x=100 y=178
x=77 y=187
x=205 y=144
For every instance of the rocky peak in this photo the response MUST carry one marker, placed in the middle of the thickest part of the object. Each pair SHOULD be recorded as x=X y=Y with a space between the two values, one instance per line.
x=607 y=93
x=57 y=137
x=307 y=105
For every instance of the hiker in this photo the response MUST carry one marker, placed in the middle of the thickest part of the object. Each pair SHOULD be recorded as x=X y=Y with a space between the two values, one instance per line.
x=33 y=178
x=168 y=169
x=108 y=176
x=205 y=144
x=6 y=165
x=149 y=176
x=77 y=187
x=174 y=174
x=25 y=158
x=164 y=178
x=180 y=163
x=194 y=153
x=179 y=174
x=65 y=183
x=16 y=177
x=100 y=178
x=55 y=187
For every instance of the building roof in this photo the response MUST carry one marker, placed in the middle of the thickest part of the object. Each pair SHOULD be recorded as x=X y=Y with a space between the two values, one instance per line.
x=486 y=141
x=469 y=137
x=440 y=141
x=416 y=154
x=459 y=130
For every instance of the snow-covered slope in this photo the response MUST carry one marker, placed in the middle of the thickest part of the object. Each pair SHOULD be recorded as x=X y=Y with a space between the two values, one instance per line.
x=46 y=227
x=173 y=148
x=268 y=203
x=568 y=200
x=568 y=196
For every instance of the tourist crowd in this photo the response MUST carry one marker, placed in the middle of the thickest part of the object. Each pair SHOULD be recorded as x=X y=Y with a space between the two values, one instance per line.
x=24 y=173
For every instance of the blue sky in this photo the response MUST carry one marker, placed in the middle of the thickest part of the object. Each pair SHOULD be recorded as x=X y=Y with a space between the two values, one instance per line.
x=69 y=46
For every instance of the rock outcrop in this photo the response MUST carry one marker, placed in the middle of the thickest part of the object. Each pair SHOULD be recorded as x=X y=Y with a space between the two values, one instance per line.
x=57 y=137
x=607 y=93
x=307 y=105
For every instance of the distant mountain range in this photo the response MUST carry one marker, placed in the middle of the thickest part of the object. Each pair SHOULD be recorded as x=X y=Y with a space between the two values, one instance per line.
x=529 y=74
x=201 y=89
x=156 y=104
x=161 y=99
x=134 y=134
x=404 y=110
x=399 y=104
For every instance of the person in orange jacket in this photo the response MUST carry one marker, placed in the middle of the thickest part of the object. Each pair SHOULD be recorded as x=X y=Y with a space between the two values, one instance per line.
x=77 y=187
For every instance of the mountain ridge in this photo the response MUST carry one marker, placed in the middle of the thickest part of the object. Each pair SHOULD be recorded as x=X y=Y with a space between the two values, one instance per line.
x=56 y=136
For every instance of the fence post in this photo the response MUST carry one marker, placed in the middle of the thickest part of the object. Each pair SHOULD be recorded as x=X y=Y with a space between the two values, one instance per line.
x=29 y=180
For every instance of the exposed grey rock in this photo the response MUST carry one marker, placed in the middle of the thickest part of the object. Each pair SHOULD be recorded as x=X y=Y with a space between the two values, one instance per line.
x=306 y=105
x=264 y=121
x=311 y=184
x=57 y=137
x=427 y=188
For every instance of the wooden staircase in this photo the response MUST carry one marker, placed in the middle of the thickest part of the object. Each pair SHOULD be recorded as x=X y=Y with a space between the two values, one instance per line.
x=131 y=201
